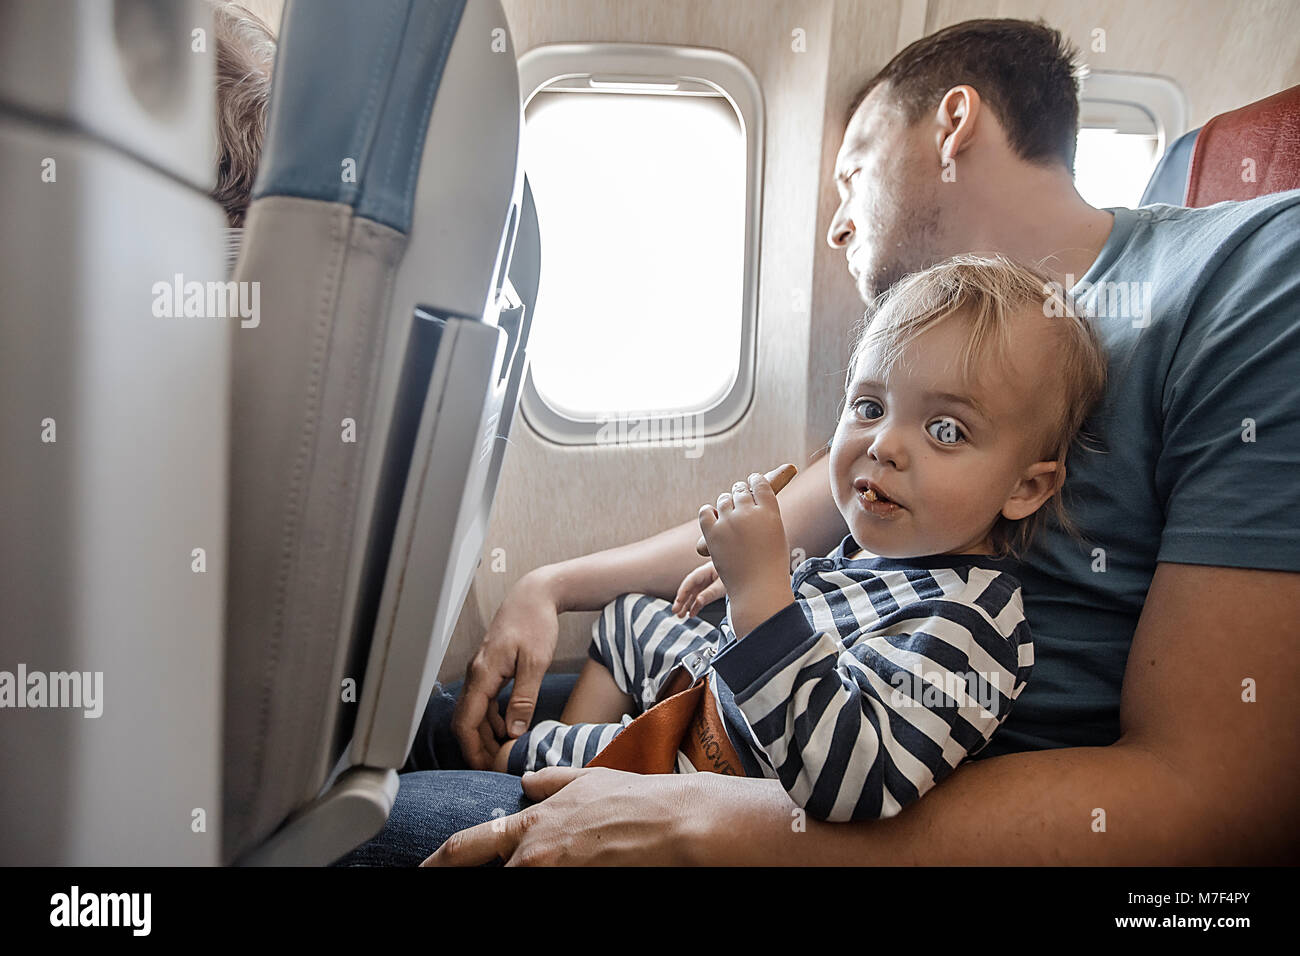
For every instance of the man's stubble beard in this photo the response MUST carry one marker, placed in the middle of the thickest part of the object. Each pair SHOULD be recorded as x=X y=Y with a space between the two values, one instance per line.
x=919 y=251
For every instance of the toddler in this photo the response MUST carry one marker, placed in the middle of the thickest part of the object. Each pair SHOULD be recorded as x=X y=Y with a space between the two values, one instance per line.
x=868 y=677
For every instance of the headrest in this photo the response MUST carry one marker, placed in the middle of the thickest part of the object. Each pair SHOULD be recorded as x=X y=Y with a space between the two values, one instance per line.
x=1168 y=184
x=352 y=92
x=1249 y=152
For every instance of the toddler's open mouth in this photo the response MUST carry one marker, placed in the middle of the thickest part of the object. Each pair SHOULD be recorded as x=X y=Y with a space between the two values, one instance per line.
x=873 y=497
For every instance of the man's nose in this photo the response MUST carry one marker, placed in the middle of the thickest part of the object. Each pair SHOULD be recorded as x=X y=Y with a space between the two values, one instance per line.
x=841 y=230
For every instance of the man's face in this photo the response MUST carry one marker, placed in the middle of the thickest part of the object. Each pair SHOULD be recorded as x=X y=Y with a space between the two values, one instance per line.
x=888 y=178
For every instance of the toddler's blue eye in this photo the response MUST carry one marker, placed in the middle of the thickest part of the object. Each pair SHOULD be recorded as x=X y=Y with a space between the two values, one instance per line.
x=876 y=409
x=946 y=431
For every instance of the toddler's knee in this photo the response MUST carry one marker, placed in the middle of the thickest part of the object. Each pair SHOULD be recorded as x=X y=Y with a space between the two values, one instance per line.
x=616 y=615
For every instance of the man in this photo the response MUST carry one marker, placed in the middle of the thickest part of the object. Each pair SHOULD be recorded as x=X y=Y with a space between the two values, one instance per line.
x=1159 y=726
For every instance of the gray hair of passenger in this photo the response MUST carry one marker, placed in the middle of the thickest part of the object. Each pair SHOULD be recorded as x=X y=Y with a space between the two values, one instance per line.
x=245 y=48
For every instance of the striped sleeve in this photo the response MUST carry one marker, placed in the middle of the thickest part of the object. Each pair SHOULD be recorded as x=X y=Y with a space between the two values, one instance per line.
x=857 y=728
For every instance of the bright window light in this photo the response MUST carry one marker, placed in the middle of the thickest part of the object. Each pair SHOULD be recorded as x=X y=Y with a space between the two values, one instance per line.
x=1112 y=168
x=641 y=205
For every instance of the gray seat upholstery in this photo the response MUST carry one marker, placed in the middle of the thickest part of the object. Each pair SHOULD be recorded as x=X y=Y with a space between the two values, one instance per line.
x=369 y=406
x=114 y=423
x=274 y=516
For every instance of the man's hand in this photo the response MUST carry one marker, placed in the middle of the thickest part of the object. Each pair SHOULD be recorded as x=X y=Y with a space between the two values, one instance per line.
x=593 y=817
x=746 y=539
x=699 y=588
x=501 y=762
x=519 y=643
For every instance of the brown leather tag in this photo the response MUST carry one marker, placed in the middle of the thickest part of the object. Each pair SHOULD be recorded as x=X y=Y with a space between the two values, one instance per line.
x=706 y=742
x=688 y=721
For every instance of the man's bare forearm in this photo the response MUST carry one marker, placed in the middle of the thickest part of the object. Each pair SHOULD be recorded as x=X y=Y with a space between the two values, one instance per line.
x=656 y=565
x=1089 y=805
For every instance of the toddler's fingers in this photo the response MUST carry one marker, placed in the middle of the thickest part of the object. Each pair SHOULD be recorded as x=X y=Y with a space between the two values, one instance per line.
x=764 y=493
x=685 y=593
x=741 y=494
x=706 y=597
x=691 y=586
x=708 y=518
x=704 y=575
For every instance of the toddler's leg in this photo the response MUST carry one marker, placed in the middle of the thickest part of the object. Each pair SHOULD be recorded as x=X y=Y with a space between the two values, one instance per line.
x=637 y=639
x=596 y=698
x=551 y=743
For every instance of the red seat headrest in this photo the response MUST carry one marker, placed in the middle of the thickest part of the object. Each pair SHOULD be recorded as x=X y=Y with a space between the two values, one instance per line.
x=1249 y=152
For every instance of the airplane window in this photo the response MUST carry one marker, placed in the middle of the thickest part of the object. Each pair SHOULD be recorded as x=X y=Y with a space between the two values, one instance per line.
x=641 y=202
x=1111 y=168
x=1126 y=121
x=646 y=164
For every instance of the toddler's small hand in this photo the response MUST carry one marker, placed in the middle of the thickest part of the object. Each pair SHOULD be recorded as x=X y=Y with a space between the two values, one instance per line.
x=746 y=537
x=699 y=588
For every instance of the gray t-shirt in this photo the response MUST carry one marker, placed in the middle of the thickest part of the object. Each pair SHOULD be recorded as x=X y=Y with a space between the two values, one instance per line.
x=1199 y=439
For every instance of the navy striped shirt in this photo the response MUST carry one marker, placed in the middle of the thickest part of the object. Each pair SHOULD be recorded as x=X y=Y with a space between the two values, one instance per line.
x=878 y=681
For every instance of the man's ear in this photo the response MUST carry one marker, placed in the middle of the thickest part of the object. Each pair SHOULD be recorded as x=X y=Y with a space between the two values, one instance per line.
x=1037 y=483
x=956 y=118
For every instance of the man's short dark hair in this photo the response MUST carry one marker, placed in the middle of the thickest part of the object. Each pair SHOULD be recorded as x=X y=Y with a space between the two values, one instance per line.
x=1026 y=73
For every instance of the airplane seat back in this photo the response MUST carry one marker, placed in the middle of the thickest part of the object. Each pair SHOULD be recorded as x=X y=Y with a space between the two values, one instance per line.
x=1248 y=152
x=114 y=430
x=369 y=405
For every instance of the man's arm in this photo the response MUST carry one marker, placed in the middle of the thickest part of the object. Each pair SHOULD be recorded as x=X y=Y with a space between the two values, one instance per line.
x=657 y=565
x=1204 y=771
x=1200 y=774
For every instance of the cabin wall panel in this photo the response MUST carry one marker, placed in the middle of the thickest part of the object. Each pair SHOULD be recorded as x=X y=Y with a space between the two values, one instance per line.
x=863 y=38
x=1223 y=54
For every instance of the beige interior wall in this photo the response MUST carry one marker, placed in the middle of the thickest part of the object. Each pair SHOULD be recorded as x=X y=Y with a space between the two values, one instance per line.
x=1224 y=53
x=864 y=37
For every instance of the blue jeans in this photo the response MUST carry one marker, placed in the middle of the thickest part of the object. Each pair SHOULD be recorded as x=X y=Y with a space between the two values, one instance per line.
x=437 y=794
